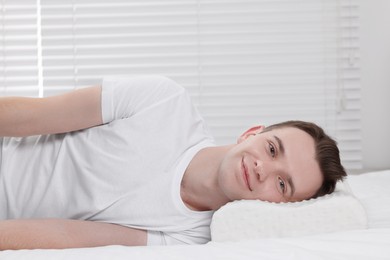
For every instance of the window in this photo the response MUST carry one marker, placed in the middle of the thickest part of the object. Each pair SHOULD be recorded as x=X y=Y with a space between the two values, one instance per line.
x=244 y=62
x=18 y=46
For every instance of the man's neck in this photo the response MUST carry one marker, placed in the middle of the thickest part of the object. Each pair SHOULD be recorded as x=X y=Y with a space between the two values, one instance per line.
x=200 y=190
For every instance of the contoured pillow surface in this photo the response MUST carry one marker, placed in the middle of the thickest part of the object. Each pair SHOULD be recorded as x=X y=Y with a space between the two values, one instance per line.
x=252 y=219
x=372 y=190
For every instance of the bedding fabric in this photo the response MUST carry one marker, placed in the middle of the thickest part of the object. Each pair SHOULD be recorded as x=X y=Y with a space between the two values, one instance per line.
x=374 y=193
x=372 y=243
x=251 y=219
x=354 y=245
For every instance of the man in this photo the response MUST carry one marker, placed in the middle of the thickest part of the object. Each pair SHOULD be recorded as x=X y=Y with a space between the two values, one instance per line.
x=132 y=163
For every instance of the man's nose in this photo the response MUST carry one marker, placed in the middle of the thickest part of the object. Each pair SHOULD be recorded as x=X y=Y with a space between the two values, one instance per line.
x=261 y=170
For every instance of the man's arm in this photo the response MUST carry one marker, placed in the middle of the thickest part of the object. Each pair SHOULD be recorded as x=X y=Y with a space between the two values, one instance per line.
x=79 y=109
x=63 y=233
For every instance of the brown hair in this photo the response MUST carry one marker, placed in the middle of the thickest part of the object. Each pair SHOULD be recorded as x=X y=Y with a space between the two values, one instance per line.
x=327 y=154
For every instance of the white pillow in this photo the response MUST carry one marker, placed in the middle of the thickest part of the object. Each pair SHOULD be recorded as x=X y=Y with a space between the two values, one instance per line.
x=252 y=219
x=372 y=190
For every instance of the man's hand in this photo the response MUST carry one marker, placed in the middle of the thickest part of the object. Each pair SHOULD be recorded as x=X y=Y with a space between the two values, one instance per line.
x=63 y=233
x=71 y=111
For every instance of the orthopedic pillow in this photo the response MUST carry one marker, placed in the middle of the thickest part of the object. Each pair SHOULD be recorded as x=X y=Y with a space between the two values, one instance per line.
x=252 y=219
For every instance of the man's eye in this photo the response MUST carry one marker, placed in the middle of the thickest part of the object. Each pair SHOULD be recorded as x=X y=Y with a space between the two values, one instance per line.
x=272 y=150
x=282 y=185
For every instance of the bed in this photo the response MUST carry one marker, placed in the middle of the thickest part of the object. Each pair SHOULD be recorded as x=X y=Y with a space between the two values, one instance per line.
x=373 y=242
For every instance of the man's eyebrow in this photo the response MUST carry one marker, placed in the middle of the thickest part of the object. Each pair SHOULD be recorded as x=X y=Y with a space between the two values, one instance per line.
x=289 y=179
x=280 y=144
x=292 y=190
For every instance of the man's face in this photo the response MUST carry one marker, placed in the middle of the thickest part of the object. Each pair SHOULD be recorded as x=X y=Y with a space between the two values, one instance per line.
x=276 y=166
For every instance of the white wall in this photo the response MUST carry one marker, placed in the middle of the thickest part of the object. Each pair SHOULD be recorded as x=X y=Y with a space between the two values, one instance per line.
x=375 y=43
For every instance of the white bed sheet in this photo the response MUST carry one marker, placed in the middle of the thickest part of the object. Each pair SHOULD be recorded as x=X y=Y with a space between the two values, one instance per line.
x=373 y=243
x=359 y=244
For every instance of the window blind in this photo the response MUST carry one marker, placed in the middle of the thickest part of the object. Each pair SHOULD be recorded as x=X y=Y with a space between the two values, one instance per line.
x=244 y=62
x=18 y=46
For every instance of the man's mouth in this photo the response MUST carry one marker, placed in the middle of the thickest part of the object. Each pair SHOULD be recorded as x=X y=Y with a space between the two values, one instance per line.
x=245 y=174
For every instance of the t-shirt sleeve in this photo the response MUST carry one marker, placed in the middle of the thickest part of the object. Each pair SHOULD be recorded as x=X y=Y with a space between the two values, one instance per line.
x=124 y=97
x=189 y=237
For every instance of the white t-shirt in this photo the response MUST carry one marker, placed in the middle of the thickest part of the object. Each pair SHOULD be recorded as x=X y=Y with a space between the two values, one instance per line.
x=127 y=171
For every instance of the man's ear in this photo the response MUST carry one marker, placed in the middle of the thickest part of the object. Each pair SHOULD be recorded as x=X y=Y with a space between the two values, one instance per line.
x=251 y=131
